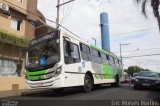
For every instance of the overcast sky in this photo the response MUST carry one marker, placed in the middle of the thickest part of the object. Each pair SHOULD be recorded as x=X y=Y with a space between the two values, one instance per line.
x=126 y=24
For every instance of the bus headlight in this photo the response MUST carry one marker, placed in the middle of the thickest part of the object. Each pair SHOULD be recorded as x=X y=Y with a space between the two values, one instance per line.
x=58 y=71
x=54 y=72
x=136 y=79
x=157 y=81
x=53 y=69
x=47 y=76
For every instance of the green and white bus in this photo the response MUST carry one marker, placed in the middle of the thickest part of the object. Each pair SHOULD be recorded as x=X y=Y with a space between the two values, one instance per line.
x=60 y=59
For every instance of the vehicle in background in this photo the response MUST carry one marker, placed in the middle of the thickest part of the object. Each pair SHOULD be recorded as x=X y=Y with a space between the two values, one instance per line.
x=133 y=77
x=125 y=79
x=122 y=79
x=147 y=79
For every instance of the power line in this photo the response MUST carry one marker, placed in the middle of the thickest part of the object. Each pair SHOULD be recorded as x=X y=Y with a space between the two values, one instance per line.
x=138 y=50
x=64 y=9
x=20 y=8
x=131 y=32
x=142 y=56
x=61 y=25
x=67 y=15
x=39 y=17
x=58 y=10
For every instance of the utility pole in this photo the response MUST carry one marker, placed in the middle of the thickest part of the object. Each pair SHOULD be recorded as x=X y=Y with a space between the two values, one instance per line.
x=121 y=51
x=58 y=11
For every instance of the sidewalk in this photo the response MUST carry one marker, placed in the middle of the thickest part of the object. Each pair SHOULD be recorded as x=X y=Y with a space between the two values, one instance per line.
x=20 y=92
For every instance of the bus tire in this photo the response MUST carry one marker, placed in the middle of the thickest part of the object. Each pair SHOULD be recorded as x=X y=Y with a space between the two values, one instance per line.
x=116 y=84
x=88 y=83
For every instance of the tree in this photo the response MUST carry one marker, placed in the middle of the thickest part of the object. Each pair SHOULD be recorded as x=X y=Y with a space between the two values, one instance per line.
x=155 y=6
x=134 y=69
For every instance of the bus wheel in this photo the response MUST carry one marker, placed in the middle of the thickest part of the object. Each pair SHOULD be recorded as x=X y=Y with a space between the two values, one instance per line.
x=88 y=84
x=117 y=81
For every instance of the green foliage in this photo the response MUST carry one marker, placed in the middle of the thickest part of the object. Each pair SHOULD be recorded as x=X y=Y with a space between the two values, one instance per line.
x=9 y=38
x=154 y=5
x=134 y=69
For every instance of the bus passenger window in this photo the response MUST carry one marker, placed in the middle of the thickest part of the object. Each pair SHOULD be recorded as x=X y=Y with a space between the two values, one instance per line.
x=66 y=50
x=71 y=53
x=96 y=57
x=104 y=59
x=107 y=57
x=85 y=52
x=112 y=63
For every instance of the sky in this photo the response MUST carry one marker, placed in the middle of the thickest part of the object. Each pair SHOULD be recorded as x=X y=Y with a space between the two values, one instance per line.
x=126 y=25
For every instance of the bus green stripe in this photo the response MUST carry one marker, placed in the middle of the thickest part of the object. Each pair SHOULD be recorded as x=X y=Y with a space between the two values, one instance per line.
x=37 y=72
x=36 y=77
x=108 y=71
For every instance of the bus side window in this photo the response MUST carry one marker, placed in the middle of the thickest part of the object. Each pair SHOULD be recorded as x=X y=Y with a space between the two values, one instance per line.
x=85 y=52
x=107 y=56
x=111 y=61
x=114 y=61
x=71 y=53
x=104 y=59
x=119 y=64
x=96 y=56
x=66 y=49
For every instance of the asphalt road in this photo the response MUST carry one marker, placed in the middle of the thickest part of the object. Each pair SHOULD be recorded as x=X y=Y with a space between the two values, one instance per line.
x=123 y=92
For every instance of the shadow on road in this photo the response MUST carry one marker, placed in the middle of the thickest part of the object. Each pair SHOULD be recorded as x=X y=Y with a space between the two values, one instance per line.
x=66 y=92
x=153 y=93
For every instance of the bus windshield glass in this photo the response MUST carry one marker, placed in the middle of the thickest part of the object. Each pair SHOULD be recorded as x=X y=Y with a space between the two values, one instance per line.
x=43 y=52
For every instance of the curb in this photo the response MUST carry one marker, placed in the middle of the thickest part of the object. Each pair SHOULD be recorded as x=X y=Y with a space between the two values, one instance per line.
x=12 y=93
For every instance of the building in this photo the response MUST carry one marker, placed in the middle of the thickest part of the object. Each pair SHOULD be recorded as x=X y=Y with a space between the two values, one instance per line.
x=18 y=22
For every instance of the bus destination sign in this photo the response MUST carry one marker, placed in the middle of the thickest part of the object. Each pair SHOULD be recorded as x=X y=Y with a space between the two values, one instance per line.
x=43 y=38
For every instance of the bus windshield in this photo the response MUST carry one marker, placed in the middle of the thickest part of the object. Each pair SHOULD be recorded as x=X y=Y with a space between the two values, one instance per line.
x=43 y=54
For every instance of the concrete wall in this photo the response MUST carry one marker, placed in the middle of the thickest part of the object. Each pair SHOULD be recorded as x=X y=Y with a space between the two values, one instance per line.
x=9 y=51
x=5 y=24
x=11 y=3
x=27 y=31
x=12 y=83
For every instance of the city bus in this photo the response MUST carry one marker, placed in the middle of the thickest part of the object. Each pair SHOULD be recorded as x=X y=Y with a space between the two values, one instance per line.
x=59 y=59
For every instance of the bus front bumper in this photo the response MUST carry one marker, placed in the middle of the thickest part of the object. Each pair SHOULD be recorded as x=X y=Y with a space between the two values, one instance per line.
x=50 y=83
